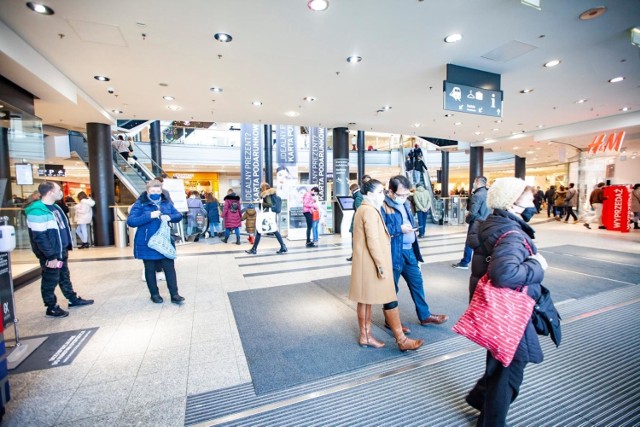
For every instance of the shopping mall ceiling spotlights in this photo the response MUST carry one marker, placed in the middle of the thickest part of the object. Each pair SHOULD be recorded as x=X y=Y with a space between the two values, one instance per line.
x=102 y=78
x=40 y=8
x=223 y=37
x=318 y=5
x=452 y=38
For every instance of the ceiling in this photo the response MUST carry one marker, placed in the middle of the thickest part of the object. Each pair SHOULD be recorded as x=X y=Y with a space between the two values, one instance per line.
x=283 y=52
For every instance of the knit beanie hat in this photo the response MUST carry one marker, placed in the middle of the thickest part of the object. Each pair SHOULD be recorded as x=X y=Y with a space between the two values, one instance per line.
x=504 y=192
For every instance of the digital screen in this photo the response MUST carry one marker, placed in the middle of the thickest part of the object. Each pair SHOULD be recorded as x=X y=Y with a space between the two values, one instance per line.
x=24 y=174
x=51 y=170
x=346 y=202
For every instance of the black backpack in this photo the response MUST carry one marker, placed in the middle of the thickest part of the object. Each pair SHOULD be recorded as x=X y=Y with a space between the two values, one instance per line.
x=276 y=203
x=234 y=207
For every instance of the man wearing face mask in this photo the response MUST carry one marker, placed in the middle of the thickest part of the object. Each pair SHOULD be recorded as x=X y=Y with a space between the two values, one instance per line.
x=477 y=211
x=51 y=239
x=405 y=252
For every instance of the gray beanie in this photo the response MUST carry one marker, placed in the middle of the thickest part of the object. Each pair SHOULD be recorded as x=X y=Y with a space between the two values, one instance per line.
x=504 y=192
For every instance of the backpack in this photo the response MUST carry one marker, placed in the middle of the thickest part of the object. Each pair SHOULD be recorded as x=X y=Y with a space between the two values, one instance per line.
x=234 y=207
x=276 y=203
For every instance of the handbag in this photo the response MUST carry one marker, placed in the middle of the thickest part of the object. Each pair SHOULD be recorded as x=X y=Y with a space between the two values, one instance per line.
x=266 y=222
x=497 y=317
x=545 y=317
x=161 y=241
x=315 y=215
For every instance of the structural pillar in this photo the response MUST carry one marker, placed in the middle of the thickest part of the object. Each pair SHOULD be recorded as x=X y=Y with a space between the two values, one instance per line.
x=340 y=172
x=101 y=180
x=155 y=141
x=444 y=175
x=521 y=167
x=360 y=148
x=5 y=167
x=268 y=155
x=476 y=165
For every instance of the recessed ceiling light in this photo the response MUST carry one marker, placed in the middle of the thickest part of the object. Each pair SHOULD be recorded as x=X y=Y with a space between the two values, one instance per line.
x=581 y=101
x=495 y=129
x=168 y=98
x=530 y=152
x=552 y=63
x=616 y=79
x=256 y=103
x=449 y=115
x=624 y=109
x=40 y=8
x=515 y=148
x=592 y=13
x=386 y=107
x=352 y=123
x=478 y=132
x=216 y=89
x=318 y=5
x=116 y=111
x=102 y=78
x=354 y=59
x=163 y=84
x=540 y=126
x=416 y=125
x=457 y=123
x=526 y=91
x=174 y=107
x=309 y=98
x=452 y=38
x=515 y=132
x=292 y=114
x=223 y=37
x=538 y=148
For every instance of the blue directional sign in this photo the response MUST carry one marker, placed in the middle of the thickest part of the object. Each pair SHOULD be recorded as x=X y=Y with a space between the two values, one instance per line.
x=473 y=100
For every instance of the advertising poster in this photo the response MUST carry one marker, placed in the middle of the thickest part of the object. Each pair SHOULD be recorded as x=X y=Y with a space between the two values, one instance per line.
x=286 y=145
x=251 y=141
x=615 y=209
x=175 y=187
x=318 y=160
x=5 y=290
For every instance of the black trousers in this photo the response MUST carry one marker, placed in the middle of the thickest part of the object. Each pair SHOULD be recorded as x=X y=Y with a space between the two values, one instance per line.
x=256 y=242
x=150 y=266
x=570 y=212
x=52 y=277
x=309 y=218
x=496 y=391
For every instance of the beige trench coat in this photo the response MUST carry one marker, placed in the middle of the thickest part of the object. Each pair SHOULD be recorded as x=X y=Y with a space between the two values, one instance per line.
x=371 y=268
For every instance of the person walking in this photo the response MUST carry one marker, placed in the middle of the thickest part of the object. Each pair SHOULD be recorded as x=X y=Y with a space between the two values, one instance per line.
x=570 y=202
x=194 y=203
x=249 y=217
x=477 y=211
x=538 y=198
x=422 y=200
x=212 y=206
x=50 y=238
x=268 y=195
x=122 y=147
x=635 y=205
x=549 y=199
x=309 y=204
x=558 y=204
x=84 y=216
x=405 y=252
x=408 y=167
x=232 y=215
x=512 y=266
x=596 y=199
x=147 y=215
x=371 y=270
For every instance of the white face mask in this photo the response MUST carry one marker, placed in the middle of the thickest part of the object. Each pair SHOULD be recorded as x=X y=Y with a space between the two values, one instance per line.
x=400 y=200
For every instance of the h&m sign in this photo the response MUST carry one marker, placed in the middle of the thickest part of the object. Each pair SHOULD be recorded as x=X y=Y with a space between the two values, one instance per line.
x=603 y=142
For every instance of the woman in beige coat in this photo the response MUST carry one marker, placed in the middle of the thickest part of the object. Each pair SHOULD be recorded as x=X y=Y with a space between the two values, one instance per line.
x=372 y=271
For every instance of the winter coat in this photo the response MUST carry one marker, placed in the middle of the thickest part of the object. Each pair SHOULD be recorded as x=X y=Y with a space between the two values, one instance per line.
x=510 y=266
x=213 y=212
x=267 y=201
x=250 y=217
x=357 y=201
x=549 y=195
x=195 y=206
x=571 y=198
x=559 y=198
x=393 y=220
x=478 y=209
x=597 y=196
x=422 y=199
x=44 y=232
x=308 y=202
x=371 y=269
x=84 y=211
x=635 y=200
x=231 y=219
x=140 y=217
x=408 y=165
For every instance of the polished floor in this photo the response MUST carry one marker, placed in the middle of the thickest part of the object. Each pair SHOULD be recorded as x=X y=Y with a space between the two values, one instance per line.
x=146 y=359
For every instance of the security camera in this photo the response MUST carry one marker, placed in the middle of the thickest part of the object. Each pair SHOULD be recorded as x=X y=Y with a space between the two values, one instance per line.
x=110 y=90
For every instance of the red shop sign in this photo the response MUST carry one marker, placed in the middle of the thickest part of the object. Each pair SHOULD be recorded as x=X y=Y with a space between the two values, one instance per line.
x=604 y=142
x=615 y=209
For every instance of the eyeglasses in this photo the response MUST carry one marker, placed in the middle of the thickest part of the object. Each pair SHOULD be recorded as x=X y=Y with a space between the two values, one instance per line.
x=403 y=194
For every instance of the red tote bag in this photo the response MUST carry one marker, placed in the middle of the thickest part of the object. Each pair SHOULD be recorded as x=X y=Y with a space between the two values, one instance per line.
x=496 y=317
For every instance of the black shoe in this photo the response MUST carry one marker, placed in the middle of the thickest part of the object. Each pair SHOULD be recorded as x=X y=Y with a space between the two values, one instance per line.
x=56 y=312
x=602 y=227
x=251 y=251
x=587 y=225
x=177 y=299
x=157 y=299
x=460 y=266
x=79 y=302
x=282 y=250
x=473 y=403
x=350 y=259
x=238 y=242
x=224 y=239
x=311 y=245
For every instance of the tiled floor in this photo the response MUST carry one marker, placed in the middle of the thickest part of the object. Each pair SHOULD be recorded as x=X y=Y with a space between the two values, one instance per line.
x=146 y=358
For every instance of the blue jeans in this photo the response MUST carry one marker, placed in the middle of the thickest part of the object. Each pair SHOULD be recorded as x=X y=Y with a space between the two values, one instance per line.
x=466 y=258
x=410 y=270
x=422 y=222
x=314 y=228
x=227 y=232
x=214 y=228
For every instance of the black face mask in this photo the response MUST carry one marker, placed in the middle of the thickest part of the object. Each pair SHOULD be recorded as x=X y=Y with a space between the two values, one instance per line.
x=528 y=213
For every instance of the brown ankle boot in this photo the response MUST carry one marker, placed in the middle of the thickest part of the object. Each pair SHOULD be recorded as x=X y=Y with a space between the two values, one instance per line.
x=393 y=319
x=364 y=321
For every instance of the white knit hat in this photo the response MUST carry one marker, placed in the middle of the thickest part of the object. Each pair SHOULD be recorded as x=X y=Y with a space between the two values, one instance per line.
x=504 y=192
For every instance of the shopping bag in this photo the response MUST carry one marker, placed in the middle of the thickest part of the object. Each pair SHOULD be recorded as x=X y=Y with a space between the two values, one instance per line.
x=315 y=215
x=266 y=222
x=161 y=241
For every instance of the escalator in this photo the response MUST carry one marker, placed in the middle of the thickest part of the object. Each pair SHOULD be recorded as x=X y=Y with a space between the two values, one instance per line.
x=433 y=215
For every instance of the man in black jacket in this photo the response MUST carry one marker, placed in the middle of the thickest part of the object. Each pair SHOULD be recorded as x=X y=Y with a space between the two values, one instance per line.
x=477 y=210
x=549 y=197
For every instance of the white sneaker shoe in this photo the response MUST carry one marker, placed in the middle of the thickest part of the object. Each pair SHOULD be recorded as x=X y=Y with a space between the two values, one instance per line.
x=161 y=276
x=144 y=279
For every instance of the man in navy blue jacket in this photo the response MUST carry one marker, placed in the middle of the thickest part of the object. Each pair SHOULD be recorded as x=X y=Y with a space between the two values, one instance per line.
x=405 y=252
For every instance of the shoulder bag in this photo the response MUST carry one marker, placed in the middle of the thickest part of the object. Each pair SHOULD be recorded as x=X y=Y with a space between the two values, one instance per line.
x=161 y=241
x=266 y=222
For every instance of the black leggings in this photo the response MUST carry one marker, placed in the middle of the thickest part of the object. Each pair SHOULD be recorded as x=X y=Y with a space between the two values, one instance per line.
x=570 y=212
x=150 y=267
x=309 y=218
x=278 y=237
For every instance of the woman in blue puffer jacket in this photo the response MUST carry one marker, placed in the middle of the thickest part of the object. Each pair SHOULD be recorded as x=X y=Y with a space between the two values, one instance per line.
x=512 y=266
x=147 y=214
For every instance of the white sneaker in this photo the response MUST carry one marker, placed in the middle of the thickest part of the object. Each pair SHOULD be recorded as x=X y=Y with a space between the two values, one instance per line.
x=161 y=276
x=144 y=279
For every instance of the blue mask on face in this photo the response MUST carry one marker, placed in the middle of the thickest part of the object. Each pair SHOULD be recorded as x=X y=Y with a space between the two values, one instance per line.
x=155 y=197
x=528 y=213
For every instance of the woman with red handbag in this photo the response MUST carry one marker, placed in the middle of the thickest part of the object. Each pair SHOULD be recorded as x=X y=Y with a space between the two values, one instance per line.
x=504 y=250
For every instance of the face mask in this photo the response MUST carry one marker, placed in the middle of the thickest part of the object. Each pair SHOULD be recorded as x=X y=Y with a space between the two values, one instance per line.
x=528 y=213
x=155 y=197
x=58 y=195
x=401 y=200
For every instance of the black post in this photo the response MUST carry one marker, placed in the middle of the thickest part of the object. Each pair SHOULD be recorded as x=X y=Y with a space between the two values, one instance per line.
x=5 y=167
x=521 y=167
x=268 y=155
x=444 y=185
x=476 y=165
x=101 y=180
x=155 y=141
x=360 y=148
x=340 y=171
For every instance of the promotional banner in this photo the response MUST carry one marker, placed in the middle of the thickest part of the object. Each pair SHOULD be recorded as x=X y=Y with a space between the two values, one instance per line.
x=251 y=140
x=286 y=145
x=318 y=160
x=615 y=209
x=5 y=290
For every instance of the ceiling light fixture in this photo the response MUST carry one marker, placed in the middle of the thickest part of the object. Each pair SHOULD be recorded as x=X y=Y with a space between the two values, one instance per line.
x=453 y=38
x=530 y=152
x=354 y=59
x=616 y=79
x=592 y=13
x=416 y=125
x=102 y=78
x=292 y=114
x=223 y=37
x=540 y=126
x=256 y=103
x=624 y=109
x=216 y=89
x=40 y=8
x=495 y=129
x=457 y=123
x=581 y=101
x=449 y=115
x=168 y=98
x=552 y=63
x=526 y=91
x=318 y=5
x=515 y=148
x=309 y=98
x=386 y=107
x=174 y=107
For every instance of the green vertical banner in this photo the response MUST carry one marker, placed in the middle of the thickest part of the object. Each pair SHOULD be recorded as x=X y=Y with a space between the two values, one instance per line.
x=318 y=160
x=251 y=140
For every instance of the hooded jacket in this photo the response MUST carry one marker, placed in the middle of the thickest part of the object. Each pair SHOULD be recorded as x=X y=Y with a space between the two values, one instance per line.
x=393 y=220
x=479 y=209
x=231 y=219
x=422 y=199
x=44 y=232
x=84 y=211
